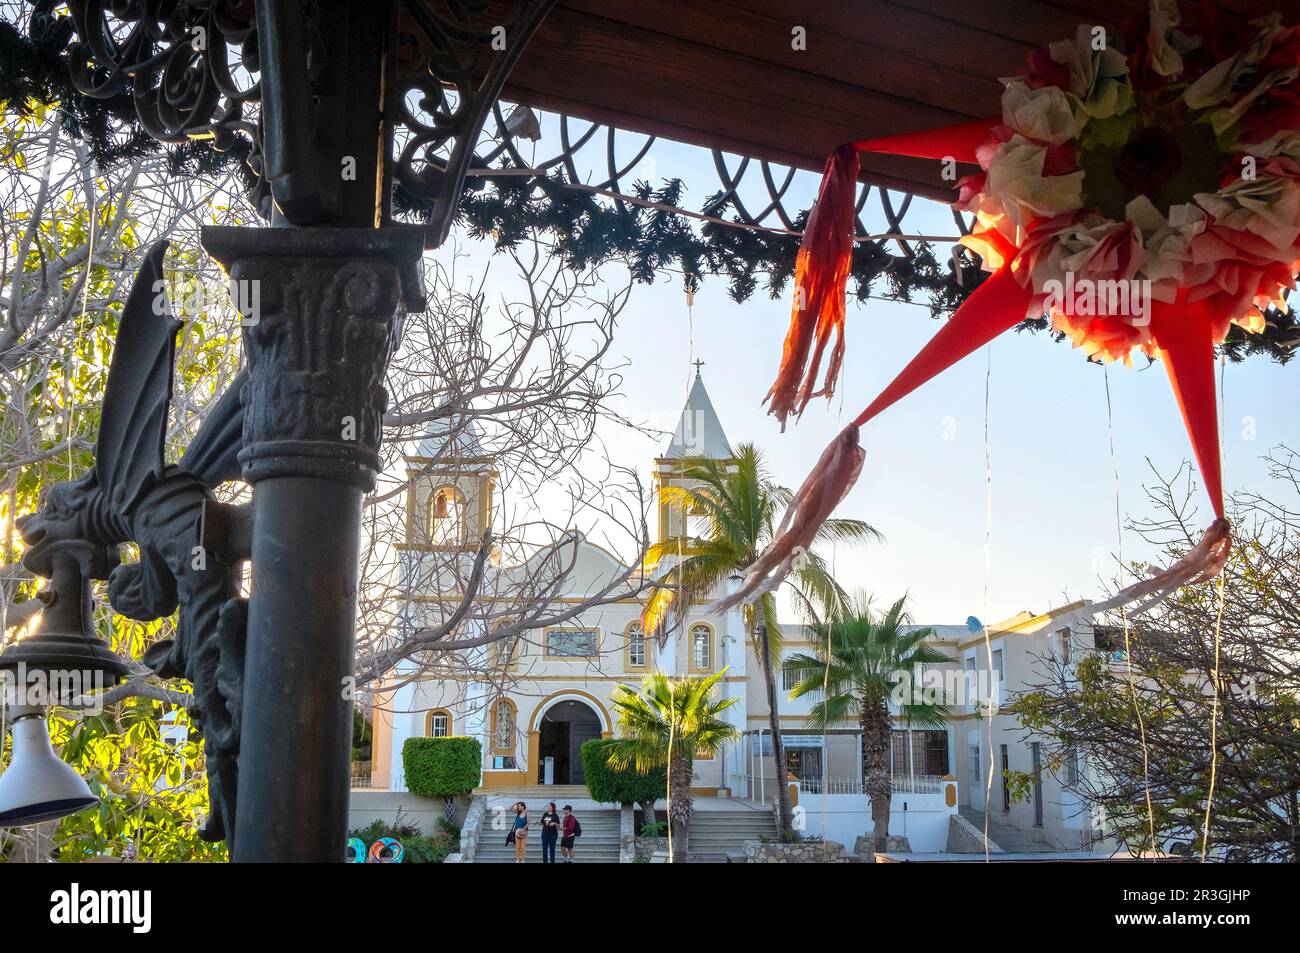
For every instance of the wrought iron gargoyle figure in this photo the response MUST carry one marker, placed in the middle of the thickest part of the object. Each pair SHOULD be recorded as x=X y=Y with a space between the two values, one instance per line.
x=133 y=495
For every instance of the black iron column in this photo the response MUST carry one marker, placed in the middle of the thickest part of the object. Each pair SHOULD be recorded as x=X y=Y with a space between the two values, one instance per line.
x=318 y=310
x=335 y=83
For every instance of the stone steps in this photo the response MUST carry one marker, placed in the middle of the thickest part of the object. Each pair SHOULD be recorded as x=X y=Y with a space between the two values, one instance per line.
x=725 y=832
x=598 y=844
x=1011 y=839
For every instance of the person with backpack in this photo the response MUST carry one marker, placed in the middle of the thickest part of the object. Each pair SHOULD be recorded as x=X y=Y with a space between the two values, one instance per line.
x=570 y=830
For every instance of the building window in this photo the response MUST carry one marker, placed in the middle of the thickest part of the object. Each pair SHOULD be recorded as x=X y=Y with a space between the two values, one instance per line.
x=503 y=728
x=976 y=772
x=636 y=652
x=447 y=516
x=438 y=724
x=701 y=648
x=1006 y=780
x=1063 y=637
x=1108 y=640
x=570 y=643
x=804 y=764
x=918 y=753
x=791 y=676
x=506 y=652
x=999 y=666
x=1071 y=766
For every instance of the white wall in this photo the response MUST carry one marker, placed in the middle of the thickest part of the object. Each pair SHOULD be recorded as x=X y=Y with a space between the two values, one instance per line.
x=846 y=817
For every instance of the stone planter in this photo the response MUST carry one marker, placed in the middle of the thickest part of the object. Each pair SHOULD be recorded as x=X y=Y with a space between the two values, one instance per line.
x=652 y=850
x=801 y=852
x=865 y=850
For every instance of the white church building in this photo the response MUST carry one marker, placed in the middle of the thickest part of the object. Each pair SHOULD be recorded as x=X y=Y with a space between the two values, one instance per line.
x=552 y=689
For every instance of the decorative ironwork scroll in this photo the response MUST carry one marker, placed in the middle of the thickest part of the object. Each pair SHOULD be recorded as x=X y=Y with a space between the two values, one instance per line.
x=452 y=62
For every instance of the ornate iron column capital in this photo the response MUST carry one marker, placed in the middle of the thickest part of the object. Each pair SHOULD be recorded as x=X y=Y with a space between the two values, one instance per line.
x=318 y=310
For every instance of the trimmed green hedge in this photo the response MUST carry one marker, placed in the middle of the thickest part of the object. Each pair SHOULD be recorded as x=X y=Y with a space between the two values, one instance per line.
x=442 y=767
x=620 y=787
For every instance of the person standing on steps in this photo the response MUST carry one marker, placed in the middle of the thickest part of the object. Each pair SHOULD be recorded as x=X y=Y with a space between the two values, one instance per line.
x=570 y=830
x=550 y=833
x=519 y=832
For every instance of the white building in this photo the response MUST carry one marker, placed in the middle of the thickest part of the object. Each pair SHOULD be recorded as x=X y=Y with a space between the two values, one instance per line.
x=558 y=681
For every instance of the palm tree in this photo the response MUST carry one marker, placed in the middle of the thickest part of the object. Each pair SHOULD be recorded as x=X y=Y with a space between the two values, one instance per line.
x=740 y=503
x=858 y=664
x=670 y=722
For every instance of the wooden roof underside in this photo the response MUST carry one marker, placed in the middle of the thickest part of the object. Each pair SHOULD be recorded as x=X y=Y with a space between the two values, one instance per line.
x=722 y=74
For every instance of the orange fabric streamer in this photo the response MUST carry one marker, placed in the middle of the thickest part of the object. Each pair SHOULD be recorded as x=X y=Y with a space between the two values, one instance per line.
x=1202 y=563
x=821 y=274
x=825 y=258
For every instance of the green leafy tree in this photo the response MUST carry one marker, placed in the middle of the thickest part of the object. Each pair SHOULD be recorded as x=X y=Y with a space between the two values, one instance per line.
x=856 y=669
x=1181 y=728
x=668 y=723
x=739 y=504
x=628 y=786
x=72 y=237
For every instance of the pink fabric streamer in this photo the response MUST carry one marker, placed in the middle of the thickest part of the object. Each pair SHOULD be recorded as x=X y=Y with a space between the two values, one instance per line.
x=1202 y=563
x=827 y=484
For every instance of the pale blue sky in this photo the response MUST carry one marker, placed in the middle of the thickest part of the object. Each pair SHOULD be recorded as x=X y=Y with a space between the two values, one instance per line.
x=1053 y=517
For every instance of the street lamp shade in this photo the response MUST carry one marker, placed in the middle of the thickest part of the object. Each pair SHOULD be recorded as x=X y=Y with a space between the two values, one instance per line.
x=38 y=785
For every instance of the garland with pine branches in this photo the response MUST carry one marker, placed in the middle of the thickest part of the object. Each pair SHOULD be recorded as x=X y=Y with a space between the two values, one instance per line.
x=583 y=230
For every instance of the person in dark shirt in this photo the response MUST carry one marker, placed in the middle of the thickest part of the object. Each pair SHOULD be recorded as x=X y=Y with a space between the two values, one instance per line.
x=550 y=833
x=568 y=832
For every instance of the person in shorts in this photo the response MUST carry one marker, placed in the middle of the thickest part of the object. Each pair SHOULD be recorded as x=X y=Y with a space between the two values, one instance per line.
x=569 y=831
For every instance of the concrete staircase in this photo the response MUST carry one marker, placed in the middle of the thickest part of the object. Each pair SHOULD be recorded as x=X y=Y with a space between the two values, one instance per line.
x=597 y=845
x=723 y=830
x=1011 y=839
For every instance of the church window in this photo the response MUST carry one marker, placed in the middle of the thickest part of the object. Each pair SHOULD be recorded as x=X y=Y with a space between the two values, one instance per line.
x=701 y=648
x=503 y=730
x=439 y=723
x=636 y=650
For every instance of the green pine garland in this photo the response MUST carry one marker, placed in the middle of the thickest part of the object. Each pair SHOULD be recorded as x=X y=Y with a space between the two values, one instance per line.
x=585 y=231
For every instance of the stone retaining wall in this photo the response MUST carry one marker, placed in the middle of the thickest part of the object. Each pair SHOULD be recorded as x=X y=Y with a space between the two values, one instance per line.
x=800 y=852
x=469 y=831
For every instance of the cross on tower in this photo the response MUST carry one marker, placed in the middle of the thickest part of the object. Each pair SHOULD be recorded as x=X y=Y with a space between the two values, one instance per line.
x=698 y=364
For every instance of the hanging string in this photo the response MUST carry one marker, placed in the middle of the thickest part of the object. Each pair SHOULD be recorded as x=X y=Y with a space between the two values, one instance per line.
x=668 y=782
x=1214 y=726
x=1123 y=611
x=826 y=688
x=988 y=572
x=681 y=531
x=681 y=555
x=1218 y=629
